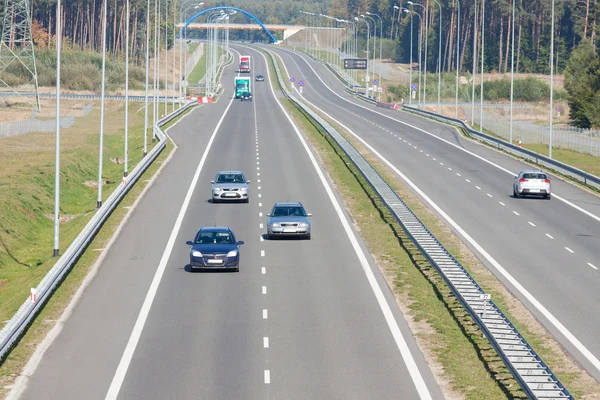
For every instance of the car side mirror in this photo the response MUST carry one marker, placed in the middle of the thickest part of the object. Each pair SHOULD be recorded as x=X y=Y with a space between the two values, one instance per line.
x=240 y=242
x=268 y=215
x=309 y=214
x=189 y=242
x=213 y=182
x=247 y=182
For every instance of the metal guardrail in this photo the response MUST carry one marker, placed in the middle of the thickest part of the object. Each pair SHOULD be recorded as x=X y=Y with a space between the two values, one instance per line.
x=564 y=169
x=16 y=327
x=137 y=99
x=529 y=370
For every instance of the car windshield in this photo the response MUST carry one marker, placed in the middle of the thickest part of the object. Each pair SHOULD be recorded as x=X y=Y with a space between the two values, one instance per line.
x=246 y=93
x=230 y=178
x=288 y=211
x=243 y=85
x=534 y=176
x=214 y=238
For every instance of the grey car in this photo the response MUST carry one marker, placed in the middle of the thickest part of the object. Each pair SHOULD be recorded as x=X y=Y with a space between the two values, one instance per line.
x=230 y=186
x=288 y=220
x=532 y=183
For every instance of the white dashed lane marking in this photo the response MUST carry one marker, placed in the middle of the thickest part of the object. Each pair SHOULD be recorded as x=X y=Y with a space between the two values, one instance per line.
x=261 y=226
x=263 y=270
x=260 y=214
x=265 y=314
x=502 y=204
x=516 y=213
x=467 y=180
x=530 y=223
x=264 y=290
x=262 y=253
x=267 y=376
x=569 y=250
x=592 y=265
x=266 y=342
x=549 y=236
x=478 y=188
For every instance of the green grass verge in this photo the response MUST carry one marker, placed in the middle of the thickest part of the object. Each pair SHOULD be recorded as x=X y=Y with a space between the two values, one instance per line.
x=193 y=46
x=445 y=332
x=199 y=71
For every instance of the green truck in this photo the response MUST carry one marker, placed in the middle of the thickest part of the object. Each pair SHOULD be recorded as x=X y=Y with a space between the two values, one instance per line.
x=242 y=85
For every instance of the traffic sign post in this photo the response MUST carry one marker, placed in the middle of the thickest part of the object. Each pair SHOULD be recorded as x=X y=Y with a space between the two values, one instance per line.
x=355 y=63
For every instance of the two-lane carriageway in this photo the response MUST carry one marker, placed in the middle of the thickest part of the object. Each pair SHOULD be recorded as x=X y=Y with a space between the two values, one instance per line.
x=303 y=319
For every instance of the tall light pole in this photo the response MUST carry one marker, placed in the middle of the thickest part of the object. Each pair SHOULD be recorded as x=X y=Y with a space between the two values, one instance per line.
x=474 y=64
x=512 y=73
x=482 y=59
x=425 y=15
x=57 y=148
x=173 y=64
x=101 y=147
x=551 y=80
x=126 y=149
x=457 y=55
x=420 y=39
x=406 y=10
x=380 y=53
x=147 y=78
x=166 y=53
x=374 y=46
x=368 y=40
x=156 y=85
x=439 y=58
x=182 y=46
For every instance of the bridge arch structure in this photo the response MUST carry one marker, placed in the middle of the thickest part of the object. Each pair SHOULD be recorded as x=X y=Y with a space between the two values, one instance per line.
x=246 y=13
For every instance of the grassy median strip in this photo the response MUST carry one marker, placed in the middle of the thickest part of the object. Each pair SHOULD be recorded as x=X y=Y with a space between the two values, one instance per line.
x=35 y=232
x=462 y=359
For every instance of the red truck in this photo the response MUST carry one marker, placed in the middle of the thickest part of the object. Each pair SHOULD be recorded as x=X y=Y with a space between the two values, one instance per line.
x=245 y=64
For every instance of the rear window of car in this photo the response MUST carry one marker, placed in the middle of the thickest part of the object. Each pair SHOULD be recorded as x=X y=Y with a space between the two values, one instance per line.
x=531 y=175
x=214 y=238
x=288 y=211
x=230 y=178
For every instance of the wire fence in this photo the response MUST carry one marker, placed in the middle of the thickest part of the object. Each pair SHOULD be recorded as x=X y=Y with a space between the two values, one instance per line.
x=580 y=140
x=14 y=128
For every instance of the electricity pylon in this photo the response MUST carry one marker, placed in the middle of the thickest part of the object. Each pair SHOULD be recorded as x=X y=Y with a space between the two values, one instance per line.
x=18 y=74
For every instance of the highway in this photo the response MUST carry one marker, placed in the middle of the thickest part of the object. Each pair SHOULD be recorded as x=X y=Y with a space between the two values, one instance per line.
x=546 y=252
x=301 y=320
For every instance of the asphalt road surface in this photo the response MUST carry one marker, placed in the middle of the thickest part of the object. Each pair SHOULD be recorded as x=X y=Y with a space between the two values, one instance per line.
x=550 y=248
x=301 y=320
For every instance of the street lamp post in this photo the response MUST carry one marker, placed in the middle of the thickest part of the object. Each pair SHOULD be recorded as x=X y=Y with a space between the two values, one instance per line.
x=126 y=149
x=367 y=78
x=380 y=53
x=425 y=15
x=182 y=47
x=512 y=72
x=551 y=80
x=406 y=10
x=439 y=58
x=166 y=53
x=457 y=55
x=474 y=64
x=147 y=76
x=57 y=148
x=101 y=147
x=374 y=47
x=394 y=20
x=482 y=60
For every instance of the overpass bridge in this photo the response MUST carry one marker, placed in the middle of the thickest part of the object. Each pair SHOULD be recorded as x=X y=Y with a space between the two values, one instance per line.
x=288 y=30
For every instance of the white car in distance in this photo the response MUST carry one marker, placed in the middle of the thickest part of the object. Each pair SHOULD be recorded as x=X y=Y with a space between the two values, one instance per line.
x=532 y=183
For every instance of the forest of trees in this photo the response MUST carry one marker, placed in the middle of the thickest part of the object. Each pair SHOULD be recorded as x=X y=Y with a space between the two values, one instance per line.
x=574 y=20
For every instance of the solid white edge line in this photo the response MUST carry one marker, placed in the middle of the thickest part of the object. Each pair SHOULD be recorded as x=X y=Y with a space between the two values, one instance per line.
x=405 y=352
x=584 y=211
x=29 y=369
x=119 y=377
x=524 y=292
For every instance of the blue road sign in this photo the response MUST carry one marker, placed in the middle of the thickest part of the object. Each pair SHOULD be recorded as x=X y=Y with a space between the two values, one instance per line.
x=414 y=86
x=301 y=83
x=292 y=79
x=375 y=82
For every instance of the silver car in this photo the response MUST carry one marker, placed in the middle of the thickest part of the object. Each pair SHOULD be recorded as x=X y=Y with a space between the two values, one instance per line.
x=230 y=185
x=288 y=219
x=532 y=183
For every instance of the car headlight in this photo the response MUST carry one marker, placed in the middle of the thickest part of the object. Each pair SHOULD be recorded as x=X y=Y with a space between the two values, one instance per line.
x=244 y=189
x=218 y=189
x=274 y=225
x=303 y=225
x=232 y=253
x=196 y=253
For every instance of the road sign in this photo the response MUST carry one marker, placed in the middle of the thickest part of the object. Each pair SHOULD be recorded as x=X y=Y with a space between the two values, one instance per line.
x=292 y=79
x=355 y=63
x=375 y=82
x=414 y=86
x=559 y=108
x=301 y=83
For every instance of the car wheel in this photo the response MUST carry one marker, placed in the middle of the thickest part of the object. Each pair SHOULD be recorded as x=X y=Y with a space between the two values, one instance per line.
x=270 y=237
x=517 y=195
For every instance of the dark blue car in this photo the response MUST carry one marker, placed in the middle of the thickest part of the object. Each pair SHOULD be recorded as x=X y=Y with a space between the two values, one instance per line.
x=215 y=248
